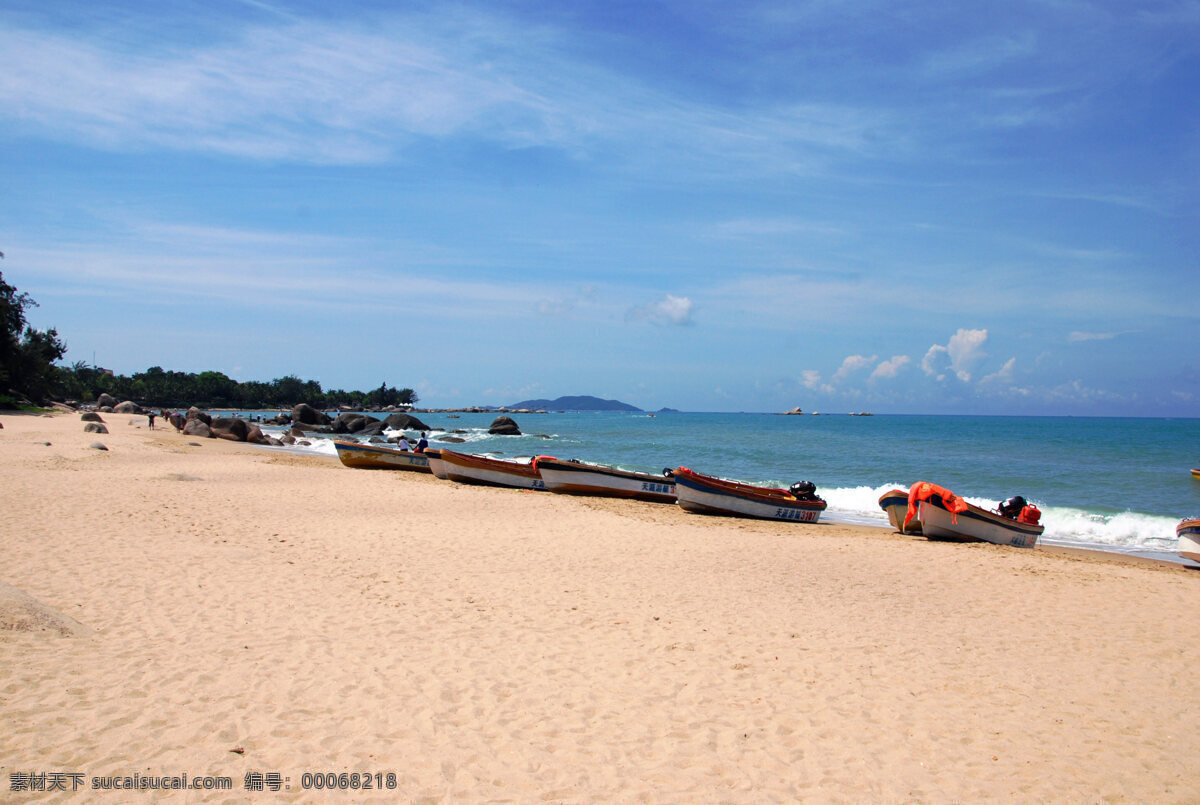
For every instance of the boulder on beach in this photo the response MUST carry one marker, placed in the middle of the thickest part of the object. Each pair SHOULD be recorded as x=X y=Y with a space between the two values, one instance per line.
x=127 y=407
x=21 y=612
x=90 y=416
x=405 y=422
x=98 y=446
x=177 y=420
x=305 y=414
x=195 y=413
x=504 y=426
x=255 y=436
x=106 y=400
x=354 y=423
x=197 y=427
x=94 y=427
x=232 y=428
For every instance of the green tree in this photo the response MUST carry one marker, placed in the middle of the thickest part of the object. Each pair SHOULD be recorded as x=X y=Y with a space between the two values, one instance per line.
x=27 y=355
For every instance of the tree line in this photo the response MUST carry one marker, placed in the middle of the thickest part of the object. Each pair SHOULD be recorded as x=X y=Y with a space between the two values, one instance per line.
x=28 y=370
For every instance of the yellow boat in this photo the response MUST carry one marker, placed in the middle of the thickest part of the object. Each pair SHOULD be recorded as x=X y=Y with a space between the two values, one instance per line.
x=1196 y=473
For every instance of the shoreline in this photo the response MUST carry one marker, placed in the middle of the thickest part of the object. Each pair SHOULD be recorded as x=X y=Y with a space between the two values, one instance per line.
x=491 y=644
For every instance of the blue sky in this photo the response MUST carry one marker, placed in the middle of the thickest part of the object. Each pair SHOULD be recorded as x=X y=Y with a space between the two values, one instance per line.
x=894 y=207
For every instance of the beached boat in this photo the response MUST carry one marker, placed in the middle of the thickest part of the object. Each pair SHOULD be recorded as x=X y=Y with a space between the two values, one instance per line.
x=895 y=503
x=705 y=494
x=470 y=469
x=373 y=457
x=436 y=466
x=1188 y=532
x=945 y=515
x=578 y=478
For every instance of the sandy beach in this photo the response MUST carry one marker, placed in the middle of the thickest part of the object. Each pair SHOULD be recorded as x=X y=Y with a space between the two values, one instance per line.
x=177 y=605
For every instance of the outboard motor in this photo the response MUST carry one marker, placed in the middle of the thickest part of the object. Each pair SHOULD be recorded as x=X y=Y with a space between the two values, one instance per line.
x=1012 y=507
x=803 y=490
x=668 y=472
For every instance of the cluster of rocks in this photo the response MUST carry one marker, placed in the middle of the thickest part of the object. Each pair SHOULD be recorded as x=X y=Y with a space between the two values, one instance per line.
x=302 y=419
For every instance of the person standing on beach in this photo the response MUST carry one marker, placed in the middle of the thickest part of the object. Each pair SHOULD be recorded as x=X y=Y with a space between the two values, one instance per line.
x=150 y=415
x=422 y=443
x=404 y=442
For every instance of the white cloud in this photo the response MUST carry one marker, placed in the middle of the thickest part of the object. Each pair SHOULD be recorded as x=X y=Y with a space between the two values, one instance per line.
x=890 y=368
x=963 y=351
x=1077 y=336
x=852 y=364
x=670 y=310
x=811 y=378
x=1003 y=375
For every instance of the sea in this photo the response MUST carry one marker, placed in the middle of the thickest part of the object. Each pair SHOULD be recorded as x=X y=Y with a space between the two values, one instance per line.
x=1111 y=484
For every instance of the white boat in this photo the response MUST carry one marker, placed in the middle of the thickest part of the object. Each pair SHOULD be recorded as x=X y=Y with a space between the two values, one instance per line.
x=1188 y=532
x=436 y=465
x=895 y=503
x=944 y=515
x=706 y=494
x=373 y=457
x=470 y=469
x=578 y=478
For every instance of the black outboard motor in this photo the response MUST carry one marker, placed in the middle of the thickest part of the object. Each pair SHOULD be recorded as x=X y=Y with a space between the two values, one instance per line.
x=668 y=472
x=803 y=490
x=1012 y=507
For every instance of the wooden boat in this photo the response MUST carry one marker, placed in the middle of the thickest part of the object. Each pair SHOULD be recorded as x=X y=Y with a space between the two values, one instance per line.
x=470 y=469
x=578 y=478
x=1188 y=532
x=895 y=503
x=944 y=515
x=705 y=494
x=436 y=466
x=373 y=457
x=1196 y=473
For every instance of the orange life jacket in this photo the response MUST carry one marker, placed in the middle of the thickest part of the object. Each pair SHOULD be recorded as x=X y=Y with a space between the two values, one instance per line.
x=923 y=490
x=1031 y=515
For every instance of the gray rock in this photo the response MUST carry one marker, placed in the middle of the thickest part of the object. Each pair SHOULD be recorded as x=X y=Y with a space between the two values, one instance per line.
x=231 y=428
x=504 y=426
x=90 y=416
x=106 y=400
x=196 y=427
x=98 y=446
x=94 y=427
x=127 y=407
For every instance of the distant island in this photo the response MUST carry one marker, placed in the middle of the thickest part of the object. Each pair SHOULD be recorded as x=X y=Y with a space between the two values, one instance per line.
x=583 y=403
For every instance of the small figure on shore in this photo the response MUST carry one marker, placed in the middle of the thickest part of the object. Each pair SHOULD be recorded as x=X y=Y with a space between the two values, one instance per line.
x=150 y=415
x=422 y=443
x=404 y=442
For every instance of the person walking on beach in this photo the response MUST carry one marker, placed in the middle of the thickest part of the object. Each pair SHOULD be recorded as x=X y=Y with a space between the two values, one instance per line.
x=422 y=443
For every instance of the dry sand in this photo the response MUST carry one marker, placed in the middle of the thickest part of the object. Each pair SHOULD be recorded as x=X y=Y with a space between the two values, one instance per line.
x=216 y=609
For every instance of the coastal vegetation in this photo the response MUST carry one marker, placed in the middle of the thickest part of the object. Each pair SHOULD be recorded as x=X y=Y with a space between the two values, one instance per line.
x=29 y=375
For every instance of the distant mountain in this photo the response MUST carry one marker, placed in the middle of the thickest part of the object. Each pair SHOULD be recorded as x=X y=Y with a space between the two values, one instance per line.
x=584 y=403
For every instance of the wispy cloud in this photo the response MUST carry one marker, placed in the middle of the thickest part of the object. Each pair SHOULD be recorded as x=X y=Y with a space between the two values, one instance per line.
x=670 y=310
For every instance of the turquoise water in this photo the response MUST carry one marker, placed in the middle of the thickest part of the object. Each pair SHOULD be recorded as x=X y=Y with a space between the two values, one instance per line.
x=1117 y=483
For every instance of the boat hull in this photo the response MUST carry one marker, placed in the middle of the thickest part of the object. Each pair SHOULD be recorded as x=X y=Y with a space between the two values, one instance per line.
x=895 y=504
x=373 y=457
x=470 y=469
x=436 y=465
x=1196 y=474
x=975 y=525
x=1189 y=539
x=705 y=494
x=575 y=478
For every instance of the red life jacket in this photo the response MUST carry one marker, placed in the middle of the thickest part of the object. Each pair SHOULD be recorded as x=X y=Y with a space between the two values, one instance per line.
x=1030 y=514
x=923 y=490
